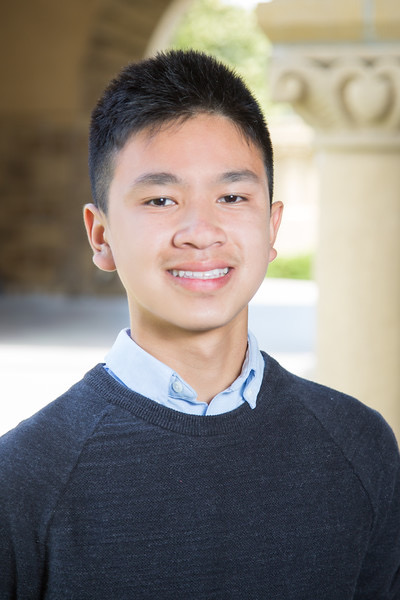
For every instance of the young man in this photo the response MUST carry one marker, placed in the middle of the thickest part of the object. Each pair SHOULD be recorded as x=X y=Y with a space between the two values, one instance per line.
x=190 y=465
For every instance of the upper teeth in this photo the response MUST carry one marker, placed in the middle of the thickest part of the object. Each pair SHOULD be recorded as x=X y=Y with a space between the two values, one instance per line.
x=214 y=274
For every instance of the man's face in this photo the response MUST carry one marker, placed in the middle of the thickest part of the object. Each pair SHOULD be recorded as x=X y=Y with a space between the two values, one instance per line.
x=188 y=227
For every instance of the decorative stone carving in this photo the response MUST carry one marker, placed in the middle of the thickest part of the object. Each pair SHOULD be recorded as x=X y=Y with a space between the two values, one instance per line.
x=341 y=92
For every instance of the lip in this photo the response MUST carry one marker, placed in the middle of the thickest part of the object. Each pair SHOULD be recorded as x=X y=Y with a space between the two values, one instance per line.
x=200 y=284
x=199 y=266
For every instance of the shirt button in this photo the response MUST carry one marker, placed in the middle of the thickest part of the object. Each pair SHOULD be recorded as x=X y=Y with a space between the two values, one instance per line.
x=177 y=387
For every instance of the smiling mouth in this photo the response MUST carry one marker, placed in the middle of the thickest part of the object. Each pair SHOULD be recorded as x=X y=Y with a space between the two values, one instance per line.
x=213 y=274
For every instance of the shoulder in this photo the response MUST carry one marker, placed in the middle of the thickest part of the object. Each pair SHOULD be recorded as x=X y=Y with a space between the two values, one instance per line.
x=40 y=451
x=362 y=435
x=346 y=419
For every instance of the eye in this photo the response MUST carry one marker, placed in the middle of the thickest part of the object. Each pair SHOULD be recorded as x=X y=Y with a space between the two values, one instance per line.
x=232 y=199
x=160 y=202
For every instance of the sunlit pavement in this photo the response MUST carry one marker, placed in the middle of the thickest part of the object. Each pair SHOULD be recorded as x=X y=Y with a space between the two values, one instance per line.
x=47 y=343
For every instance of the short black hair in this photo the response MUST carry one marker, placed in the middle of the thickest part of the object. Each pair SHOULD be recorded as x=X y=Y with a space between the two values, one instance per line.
x=172 y=86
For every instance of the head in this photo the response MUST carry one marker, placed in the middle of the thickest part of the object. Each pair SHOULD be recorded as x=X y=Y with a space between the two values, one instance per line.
x=171 y=87
x=181 y=169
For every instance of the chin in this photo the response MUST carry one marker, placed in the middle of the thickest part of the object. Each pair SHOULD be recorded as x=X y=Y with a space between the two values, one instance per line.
x=209 y=323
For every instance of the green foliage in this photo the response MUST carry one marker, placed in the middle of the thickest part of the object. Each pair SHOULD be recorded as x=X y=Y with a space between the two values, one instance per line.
x=292 y=267
x=231 y=34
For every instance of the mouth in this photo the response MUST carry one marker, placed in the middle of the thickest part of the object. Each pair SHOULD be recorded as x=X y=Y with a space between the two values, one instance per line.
x=213 y=274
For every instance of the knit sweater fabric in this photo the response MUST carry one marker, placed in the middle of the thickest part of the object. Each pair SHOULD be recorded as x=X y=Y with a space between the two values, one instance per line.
x=107 y=495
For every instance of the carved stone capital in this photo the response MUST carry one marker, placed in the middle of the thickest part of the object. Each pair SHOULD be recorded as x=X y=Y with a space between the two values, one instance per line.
x=347 y=94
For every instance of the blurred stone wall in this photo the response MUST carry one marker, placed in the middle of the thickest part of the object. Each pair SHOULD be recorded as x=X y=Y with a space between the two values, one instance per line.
x=43 y=183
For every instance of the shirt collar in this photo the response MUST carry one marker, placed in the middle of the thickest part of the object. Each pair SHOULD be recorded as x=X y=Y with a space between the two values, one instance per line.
x=140 y=371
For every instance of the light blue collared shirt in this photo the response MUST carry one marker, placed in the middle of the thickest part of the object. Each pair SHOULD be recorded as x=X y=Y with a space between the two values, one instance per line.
x=138 y=370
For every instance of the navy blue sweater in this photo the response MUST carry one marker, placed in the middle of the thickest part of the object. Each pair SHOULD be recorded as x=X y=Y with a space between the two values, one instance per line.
x=107 y=495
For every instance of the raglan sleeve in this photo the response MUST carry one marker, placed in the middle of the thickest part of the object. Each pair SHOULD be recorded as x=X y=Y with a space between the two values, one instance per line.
x=36 y=461
x=7 y=560
x=21 y=553
x=380 y=575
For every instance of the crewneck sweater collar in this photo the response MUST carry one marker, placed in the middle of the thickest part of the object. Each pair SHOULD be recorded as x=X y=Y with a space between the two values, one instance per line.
x=145 y=409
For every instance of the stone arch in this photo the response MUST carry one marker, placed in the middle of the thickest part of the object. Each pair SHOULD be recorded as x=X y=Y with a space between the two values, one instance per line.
x=124 y=31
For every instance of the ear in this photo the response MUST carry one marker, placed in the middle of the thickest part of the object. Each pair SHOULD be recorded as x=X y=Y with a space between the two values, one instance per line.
x=274 y=223
x=95 y=223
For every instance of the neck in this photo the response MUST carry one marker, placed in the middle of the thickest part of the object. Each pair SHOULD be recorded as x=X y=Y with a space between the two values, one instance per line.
x=208 y=361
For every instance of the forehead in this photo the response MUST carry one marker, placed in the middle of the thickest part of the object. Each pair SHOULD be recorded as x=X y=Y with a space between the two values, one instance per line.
x=199 y=140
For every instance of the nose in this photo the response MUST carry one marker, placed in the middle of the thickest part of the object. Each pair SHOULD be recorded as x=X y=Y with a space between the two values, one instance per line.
x=199 y=228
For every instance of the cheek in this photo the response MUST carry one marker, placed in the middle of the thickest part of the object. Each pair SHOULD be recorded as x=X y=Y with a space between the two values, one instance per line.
x=256 y=239
x=129 y=238
x=260 y=254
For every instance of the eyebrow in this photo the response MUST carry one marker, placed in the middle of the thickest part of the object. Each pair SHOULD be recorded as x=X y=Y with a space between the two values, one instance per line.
x=240 y=175
x=165 y=178
x=157 y=178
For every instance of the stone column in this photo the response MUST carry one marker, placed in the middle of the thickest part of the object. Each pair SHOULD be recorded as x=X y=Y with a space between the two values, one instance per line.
x=350 y=94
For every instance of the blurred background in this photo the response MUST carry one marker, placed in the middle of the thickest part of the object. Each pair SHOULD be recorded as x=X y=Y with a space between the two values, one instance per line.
x=327 y=74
